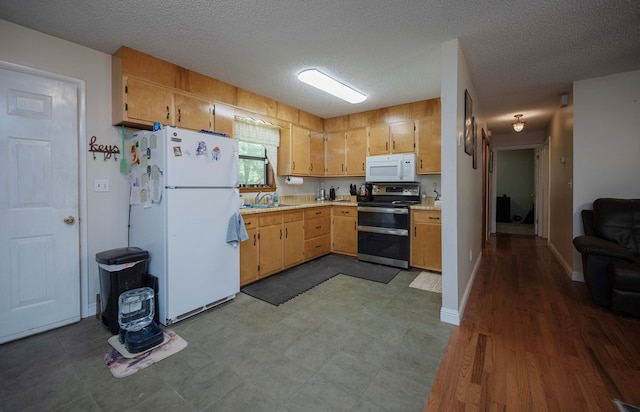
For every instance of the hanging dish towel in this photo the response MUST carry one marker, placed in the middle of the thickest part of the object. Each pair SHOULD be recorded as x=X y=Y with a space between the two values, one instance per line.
x=236 y=231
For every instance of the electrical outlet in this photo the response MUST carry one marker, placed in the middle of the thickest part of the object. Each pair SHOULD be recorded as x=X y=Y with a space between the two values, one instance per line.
x=101 y=185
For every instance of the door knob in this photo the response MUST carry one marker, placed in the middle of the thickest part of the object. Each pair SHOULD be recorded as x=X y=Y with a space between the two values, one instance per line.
x=69 y=220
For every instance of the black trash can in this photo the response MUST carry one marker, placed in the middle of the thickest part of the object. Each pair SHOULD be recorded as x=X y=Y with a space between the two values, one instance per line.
x=120 y=270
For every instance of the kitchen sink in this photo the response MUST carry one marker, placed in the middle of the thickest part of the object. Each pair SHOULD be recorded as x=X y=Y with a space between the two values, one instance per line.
x=268 y=206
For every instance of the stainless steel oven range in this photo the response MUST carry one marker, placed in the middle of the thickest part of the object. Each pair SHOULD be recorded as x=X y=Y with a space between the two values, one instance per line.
x=384 y=224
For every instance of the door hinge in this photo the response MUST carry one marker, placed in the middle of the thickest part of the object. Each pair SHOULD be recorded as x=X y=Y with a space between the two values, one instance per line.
x=126 y=89
x=126 y=107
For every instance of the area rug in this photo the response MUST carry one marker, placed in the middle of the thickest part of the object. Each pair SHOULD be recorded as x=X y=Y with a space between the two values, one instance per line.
x=290 y=283
x=122 y=367
x=428 y=281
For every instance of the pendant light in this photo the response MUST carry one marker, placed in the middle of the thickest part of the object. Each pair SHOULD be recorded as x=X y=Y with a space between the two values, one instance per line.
x=518 y=125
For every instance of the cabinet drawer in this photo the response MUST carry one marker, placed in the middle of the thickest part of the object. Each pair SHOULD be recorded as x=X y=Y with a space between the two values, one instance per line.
x=345 y=211
x=426 y=216
x=317 y=227
x=317 y=212
x=293 y=216
x=250 y=222
x=269 y=219
x=317 y=247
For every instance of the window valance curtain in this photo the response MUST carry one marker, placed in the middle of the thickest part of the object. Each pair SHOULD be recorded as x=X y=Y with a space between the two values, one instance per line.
x=256 y=131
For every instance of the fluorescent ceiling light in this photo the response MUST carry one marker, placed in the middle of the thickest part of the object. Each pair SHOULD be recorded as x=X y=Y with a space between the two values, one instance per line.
x=331 y=86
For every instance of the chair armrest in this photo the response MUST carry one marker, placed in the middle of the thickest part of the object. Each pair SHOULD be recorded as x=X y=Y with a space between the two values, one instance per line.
x=592 y=245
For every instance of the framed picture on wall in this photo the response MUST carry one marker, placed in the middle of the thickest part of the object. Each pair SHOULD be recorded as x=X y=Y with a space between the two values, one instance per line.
x=468 y=129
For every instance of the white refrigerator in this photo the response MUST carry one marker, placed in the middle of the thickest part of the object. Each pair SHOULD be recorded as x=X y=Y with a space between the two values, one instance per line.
x=184 y=196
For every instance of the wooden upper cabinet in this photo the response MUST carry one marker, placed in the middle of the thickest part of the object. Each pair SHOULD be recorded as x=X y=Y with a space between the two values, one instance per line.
x=284 y=152
x=143 y=103
x=316 y=154
x=378 y=140
x=192 y=112
x=335 y=154
x=223 y=116
x=428 y=145
x=134 y=63
x=299 y=151
x=402 y=138
x=355 y=152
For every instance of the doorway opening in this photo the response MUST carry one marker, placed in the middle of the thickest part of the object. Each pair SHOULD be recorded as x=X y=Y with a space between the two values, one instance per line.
x=516 y=191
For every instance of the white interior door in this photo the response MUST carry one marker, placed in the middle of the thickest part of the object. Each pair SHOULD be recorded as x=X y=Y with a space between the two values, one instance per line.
x=39 y=230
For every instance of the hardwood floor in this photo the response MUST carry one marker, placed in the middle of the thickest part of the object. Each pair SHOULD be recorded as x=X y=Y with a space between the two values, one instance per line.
x=532 y=340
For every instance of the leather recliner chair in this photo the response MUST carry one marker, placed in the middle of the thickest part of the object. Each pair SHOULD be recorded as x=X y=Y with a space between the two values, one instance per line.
x=610 y=249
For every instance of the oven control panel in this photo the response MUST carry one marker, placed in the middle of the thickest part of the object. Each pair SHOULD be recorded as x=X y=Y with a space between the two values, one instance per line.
x=396 y=190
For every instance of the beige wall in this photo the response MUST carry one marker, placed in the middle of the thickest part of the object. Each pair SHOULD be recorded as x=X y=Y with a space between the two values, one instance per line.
x=560 y=135
x=606 y=150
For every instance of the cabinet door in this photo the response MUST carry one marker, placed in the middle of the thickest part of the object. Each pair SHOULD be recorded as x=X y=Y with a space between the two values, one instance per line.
x=192 y=112
x=345 y=235
x=299 y=151
x=428 y=142
x=249 y=258
x=293 y=243
x=426 y=241
x=378 y=140
x=271 y=251
x=316 y=154
x=335 y=165
x=284 y=152
x=146 y=103
x=356 y=152
x=402 y=137
x=223 y=119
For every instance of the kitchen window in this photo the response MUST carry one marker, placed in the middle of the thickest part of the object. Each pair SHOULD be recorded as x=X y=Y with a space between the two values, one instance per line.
x=258 y=148
x=254 y=165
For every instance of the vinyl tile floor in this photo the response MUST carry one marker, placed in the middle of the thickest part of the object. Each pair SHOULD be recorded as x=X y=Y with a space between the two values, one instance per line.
x=347 y=345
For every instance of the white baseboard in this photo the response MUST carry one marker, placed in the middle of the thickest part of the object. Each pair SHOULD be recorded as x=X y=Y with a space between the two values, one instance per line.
x=568 y=269
x=454 y=317
x=450 y=316
x=577 y=277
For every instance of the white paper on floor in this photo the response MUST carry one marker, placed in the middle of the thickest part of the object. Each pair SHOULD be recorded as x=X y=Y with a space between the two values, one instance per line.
x=429 y=281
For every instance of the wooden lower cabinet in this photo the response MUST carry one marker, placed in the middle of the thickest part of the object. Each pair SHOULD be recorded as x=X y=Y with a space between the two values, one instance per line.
x=344 y=231
x=249 y=252
x=317 y=232
x=281 y=240
x=426 y=240
x=293 y=238
x=271 y=244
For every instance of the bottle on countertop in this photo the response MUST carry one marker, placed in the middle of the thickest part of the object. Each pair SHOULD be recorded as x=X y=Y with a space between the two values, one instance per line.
x=276 y=198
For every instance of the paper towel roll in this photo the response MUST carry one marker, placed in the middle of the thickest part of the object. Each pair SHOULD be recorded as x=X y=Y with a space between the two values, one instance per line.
x=292 y=180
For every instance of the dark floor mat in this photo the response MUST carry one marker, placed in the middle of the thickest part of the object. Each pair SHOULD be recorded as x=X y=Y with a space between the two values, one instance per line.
x=286 y=285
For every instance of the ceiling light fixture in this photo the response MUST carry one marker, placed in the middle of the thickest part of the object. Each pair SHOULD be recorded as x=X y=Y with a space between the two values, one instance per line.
x=327 y=84
x=518 y=125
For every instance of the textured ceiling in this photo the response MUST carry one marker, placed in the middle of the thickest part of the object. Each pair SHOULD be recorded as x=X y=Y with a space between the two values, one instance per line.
x=522 y=55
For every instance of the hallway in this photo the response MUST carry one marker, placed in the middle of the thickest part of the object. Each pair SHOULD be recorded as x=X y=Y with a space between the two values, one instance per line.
x=531 y=339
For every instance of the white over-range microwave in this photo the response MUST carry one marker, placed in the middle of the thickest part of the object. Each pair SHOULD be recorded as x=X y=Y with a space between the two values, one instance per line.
x=391 y=168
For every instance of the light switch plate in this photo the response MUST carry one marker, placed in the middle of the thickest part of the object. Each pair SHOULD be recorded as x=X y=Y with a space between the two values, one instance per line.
x=101 y=185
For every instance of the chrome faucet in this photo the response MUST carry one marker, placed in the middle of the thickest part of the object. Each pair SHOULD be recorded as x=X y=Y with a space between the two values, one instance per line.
x=261 y=196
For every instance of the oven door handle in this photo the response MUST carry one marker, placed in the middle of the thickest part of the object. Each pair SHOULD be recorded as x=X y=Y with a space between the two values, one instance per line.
x=394 y=210
x=383 y=230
